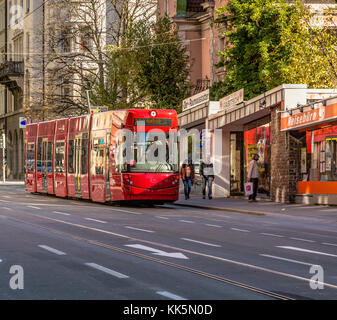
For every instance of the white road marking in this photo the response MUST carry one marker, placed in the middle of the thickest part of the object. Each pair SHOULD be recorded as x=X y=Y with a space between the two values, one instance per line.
x=302 y=239
x=330 y=244
x=63 y=213
x=306 y=250
x=127 y=211
x=284 y=259
x=201 y=242
x=329 y=210
x=170 y=295
x=58 y=252
x=33 y=207
x=272 y=235
x=213 y=225
x=242 y=230
x=138 y=229
x=106 y=270
x=162 y=218
x=158 y=252
x=187 y=221
x=10 y=209
x=100 y=221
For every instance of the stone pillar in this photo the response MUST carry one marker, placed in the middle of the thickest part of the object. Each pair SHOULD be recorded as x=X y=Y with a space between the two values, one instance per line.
x=279 y=173
x=222 y=180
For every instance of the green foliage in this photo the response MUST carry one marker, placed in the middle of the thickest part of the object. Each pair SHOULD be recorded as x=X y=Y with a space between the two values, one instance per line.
x=149 y=67
x=163 y=75
x=268 y=43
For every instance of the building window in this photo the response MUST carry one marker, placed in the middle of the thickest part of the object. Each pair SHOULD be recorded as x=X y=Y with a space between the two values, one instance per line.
x=64 y=41
x=27 y=6
x=27 y=45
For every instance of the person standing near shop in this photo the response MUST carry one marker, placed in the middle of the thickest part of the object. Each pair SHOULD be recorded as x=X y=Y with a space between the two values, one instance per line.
x=253 y=176
x=187 y=176
x=207 y=174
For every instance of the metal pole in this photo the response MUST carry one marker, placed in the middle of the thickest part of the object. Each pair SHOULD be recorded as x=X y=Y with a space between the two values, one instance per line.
x=3 y=158
x=87 y=91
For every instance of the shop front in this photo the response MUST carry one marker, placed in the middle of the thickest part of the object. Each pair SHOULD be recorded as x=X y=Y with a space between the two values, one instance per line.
x=315 y=126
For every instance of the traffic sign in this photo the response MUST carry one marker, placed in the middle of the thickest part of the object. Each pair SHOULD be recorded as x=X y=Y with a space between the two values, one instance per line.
x=22 y=122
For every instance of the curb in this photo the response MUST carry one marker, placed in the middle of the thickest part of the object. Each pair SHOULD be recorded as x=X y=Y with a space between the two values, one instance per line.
x=256 y=213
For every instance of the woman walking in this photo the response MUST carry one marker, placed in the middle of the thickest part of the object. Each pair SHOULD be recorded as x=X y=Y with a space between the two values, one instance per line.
x=187 y=176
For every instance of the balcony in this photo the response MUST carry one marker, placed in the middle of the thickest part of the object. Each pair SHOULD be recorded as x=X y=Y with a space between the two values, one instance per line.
x=202 y=85
x=12 y=72
x=11 y=69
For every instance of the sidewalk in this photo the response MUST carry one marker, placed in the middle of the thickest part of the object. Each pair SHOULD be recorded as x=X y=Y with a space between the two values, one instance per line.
x=263 y=207
x=12 y=183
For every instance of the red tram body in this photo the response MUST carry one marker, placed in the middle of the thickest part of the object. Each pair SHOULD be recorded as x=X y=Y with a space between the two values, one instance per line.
x=75 y=157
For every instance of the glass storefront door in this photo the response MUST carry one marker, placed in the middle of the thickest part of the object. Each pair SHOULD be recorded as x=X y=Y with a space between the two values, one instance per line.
x=257 y=141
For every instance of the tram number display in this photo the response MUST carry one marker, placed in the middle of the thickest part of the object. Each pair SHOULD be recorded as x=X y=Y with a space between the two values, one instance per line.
x=153 y=122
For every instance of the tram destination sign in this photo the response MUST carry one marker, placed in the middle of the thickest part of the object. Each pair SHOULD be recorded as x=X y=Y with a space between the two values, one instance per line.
x=197 y=99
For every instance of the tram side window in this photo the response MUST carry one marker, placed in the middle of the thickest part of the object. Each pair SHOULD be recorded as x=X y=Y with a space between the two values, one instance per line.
x=49 y=157
x=71 y=153
x=84 y=156
x=30 y=156
x=59 y=163
x=39 y=156
x=98 y=155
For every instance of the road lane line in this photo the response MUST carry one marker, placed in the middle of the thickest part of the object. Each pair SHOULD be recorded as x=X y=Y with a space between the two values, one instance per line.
x=58 y=252
x=170 y=295
x=138 y=229
x=328 y=210
x=299 y=239
x=284 y=259
x=6 y=208
x=33 y=207
x=162 y=218
x=106 y=270
x=100 y=221
x=123 y=236
x=330 y=244
x=201 y=242
x=242 y=230
x=127 y=211
x=306 y=250
x=213 y=225
x=63 y=213
x=187 y=221
x=272 y=235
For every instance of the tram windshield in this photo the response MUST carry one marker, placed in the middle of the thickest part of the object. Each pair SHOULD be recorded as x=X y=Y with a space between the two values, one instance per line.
x=152 y=155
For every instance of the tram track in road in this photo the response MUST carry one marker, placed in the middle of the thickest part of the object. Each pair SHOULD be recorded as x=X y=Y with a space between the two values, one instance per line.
x=154 y=259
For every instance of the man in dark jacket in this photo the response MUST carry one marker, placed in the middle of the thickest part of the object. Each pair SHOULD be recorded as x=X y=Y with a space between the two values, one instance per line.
x=207 y=174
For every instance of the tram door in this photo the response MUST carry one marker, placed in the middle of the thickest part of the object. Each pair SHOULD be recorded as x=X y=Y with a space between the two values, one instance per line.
x=44 y=164
x=78 y=162
x=107 y=165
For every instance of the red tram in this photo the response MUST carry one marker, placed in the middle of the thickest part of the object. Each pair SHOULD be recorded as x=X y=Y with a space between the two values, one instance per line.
x=76 y=157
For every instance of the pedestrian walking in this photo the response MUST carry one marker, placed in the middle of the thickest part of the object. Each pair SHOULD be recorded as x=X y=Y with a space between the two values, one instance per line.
x=207 y=174
x=253 y=176
x=187 y=176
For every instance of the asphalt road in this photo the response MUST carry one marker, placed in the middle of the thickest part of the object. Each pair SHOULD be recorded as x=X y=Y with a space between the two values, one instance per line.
x=75 y=249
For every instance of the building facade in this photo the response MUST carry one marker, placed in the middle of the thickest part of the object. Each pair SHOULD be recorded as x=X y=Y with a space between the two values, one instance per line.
x=194 y=19
x=35 y=35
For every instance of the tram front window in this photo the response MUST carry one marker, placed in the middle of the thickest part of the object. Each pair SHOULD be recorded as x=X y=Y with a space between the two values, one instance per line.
x=145 y=155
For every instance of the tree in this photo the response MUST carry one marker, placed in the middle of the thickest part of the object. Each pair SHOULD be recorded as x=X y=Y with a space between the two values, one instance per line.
x=148 y=67
x=270 y=42
x=164 y=72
